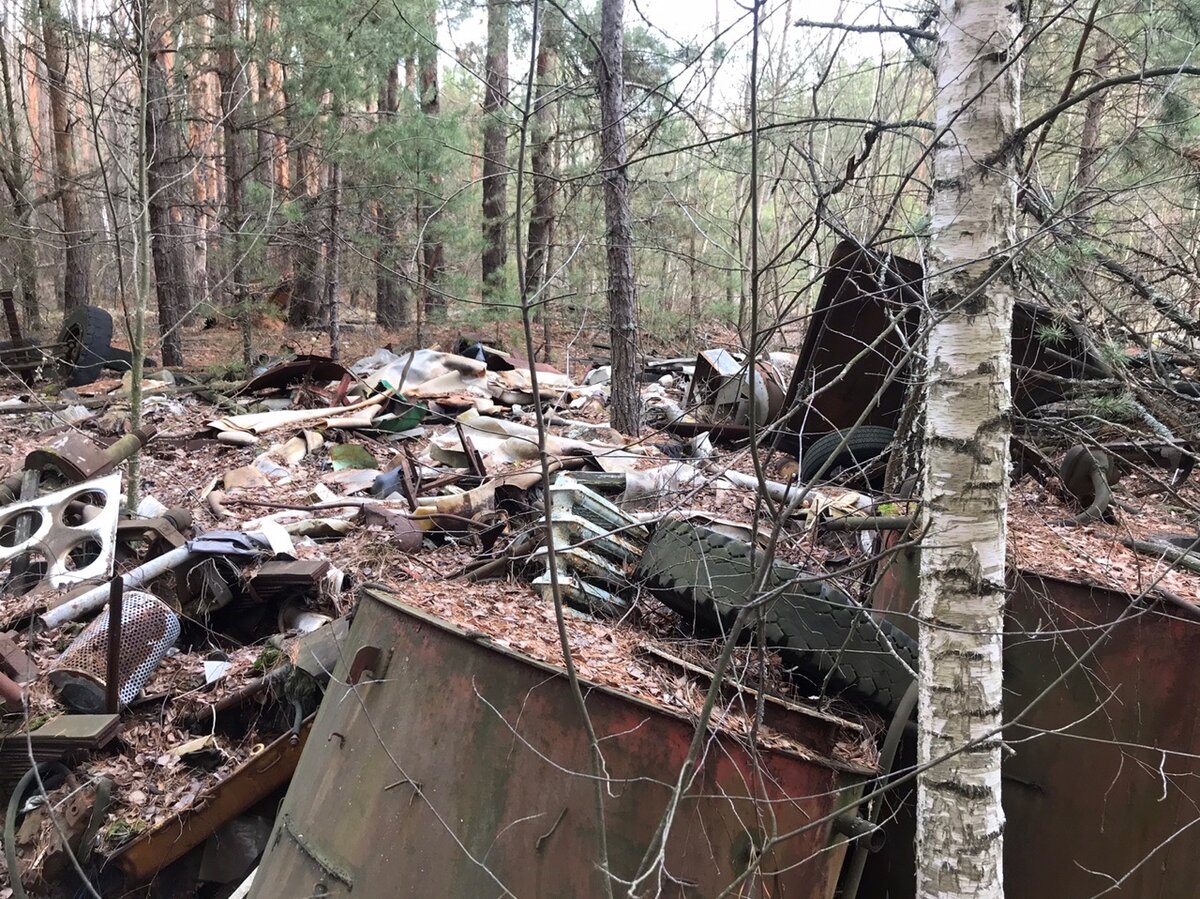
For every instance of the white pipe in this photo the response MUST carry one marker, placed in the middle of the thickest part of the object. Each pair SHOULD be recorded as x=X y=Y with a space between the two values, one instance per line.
x=96 y=598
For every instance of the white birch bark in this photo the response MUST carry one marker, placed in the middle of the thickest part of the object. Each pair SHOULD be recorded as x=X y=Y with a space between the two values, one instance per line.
x=960 y=821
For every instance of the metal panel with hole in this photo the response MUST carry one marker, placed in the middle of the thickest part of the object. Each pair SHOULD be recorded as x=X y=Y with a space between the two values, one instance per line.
x=74 y=531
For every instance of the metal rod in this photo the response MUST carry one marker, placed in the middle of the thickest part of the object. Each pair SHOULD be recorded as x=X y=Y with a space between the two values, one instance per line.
x=867 y=523
x=96 y=598
x=112 y=673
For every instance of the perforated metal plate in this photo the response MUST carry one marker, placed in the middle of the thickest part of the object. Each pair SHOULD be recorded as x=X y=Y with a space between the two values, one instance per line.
x=148 y=629
x=74 y=532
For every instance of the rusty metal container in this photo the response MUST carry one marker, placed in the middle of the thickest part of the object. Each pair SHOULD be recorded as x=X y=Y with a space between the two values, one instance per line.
x=1103 y=784
x=444 y=765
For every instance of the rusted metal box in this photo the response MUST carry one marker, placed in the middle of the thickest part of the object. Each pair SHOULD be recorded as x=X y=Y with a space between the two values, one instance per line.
x=1102 y=786
x=444 y=765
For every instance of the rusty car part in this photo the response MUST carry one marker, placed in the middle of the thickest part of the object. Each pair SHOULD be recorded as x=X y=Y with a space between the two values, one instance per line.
x=1075 y=763
x=302 y=369
x=278 y=580
x=251 y=782
x=802 y=723
x=147 y=629
x=853 y=366
x=75 y=460
x=16 y=662
x=112 y=662
x=159 y=535
x=483 y=739
x=75 y=551
x=404 y=533
x=721 y=391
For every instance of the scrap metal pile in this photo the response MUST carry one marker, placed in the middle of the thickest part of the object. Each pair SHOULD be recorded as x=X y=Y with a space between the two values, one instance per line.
x=160 y=665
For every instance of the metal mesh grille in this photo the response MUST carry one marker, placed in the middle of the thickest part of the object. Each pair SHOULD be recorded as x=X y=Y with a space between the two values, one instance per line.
x=148 y=629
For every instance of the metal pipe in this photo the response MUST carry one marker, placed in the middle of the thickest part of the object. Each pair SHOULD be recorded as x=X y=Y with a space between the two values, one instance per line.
x=112 y=671
x=866 y=832
x=887 y=760
x=96 y=598
x=867 y=523
x=121 y=450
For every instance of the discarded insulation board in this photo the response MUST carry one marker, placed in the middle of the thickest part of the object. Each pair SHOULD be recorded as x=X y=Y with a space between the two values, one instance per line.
x=447 y=750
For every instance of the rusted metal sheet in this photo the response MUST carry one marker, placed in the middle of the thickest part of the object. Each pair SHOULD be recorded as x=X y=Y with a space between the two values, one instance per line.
x=458 y=768
x=1104 y=781
x=253 y=781
x=319 y=369
x=852 y=346
x=845 y=346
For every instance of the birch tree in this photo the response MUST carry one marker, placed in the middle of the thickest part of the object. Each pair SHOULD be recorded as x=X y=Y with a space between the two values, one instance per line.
x=960 y=821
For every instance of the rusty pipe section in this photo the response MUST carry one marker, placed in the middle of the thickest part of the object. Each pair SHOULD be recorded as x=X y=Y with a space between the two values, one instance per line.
x=103 y=462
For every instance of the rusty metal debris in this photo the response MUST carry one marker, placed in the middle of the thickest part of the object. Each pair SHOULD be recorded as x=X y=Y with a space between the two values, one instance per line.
x=256 y=779
x=655 y=541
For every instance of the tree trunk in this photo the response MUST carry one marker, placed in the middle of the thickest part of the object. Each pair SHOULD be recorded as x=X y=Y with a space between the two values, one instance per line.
x=272 y=140
x=390 y=307
x=168 y=241
x=495 y=154
x=541 y=220
x=625 y=405
x=960 y=822
x=302 y=311
x=77 y=264
x=1089 y=141
x=233 y=102
x=17 y=180
x=203 y=112
x=432 y=252
x=333 y=265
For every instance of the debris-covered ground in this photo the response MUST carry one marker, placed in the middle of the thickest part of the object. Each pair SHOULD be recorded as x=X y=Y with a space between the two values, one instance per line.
x=288 y=489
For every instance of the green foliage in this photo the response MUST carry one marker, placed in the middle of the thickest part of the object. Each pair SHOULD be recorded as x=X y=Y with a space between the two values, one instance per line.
x=1052 y=334
x=1115 y=408
x=1114 y=354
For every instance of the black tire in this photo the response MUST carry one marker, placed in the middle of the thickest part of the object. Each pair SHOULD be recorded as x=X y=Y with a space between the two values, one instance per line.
x=821 y=632
x=861 y=445
x=86 y=339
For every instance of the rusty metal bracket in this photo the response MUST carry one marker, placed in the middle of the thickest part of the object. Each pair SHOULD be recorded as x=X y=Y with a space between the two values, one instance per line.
x=474 y=460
